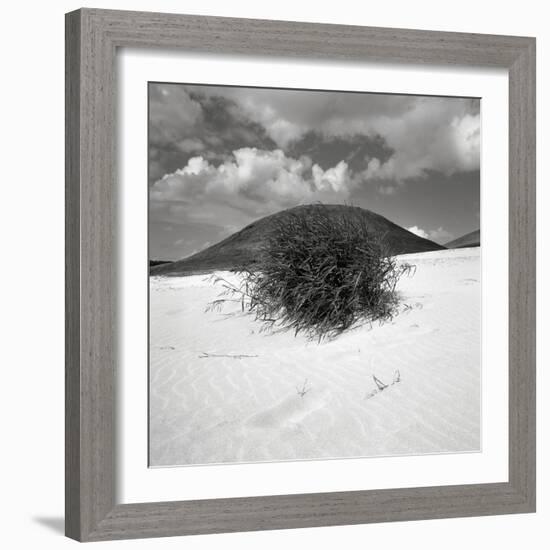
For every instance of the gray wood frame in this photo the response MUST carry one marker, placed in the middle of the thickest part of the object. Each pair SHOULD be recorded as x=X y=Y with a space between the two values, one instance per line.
x=92 y=38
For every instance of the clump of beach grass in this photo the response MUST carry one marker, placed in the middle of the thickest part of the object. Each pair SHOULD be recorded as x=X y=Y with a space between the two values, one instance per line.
x=321 y=274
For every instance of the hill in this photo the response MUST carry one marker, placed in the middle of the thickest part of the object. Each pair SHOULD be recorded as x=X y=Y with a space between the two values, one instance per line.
x=241 y=248
x=468 y=240
x=155 y=263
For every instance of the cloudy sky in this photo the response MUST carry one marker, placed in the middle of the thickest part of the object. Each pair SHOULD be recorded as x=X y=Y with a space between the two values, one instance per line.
x=221 y=157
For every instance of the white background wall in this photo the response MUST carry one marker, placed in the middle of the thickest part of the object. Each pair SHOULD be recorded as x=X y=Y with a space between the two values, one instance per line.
x=31 y=387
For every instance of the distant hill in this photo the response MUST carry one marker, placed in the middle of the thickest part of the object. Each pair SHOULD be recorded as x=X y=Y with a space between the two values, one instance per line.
x=155 y=263
x=241 y=248
x=470 y=239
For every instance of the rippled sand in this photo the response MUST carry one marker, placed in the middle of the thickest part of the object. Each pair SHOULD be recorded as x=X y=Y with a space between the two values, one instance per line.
x=296 y=399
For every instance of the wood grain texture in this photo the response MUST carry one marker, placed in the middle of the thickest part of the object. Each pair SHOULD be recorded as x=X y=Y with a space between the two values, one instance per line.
x=522 y=275
x=92 y=37
x=222 y=35
x=91 y=353
x=72 y=278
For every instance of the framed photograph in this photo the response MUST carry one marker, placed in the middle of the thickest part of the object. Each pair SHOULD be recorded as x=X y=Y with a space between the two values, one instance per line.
x=300 y=275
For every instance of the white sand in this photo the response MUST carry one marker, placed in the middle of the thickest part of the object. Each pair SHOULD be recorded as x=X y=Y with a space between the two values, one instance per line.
x=248 y=409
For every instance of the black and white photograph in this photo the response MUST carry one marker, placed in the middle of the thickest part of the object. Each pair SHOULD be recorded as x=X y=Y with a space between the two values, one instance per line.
x=314 y=274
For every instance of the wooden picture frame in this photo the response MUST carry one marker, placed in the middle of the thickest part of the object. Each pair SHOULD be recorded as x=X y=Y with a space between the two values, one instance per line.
x=92 y=39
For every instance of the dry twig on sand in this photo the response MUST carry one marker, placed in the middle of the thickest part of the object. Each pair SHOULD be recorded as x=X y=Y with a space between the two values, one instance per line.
x=381 y=386
x=301 y=392
x=205 y=355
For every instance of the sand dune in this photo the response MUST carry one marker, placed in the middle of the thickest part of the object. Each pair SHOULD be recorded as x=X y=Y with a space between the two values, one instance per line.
x=267 y=396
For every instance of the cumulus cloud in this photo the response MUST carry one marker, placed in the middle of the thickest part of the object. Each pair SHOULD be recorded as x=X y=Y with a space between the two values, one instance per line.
x=439 y=235
x=289 y=114
x=417 y=231
x=426 y=133
x=253 y=182
x=431 y=137
x=220 y=157
x=184 y=123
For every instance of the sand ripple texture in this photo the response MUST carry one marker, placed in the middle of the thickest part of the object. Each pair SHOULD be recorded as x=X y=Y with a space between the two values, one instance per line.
x=260 y=396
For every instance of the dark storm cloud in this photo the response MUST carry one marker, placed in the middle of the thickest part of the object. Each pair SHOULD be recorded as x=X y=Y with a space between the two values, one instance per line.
x=226 y=127
x=356 y=150
x=184 y=123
